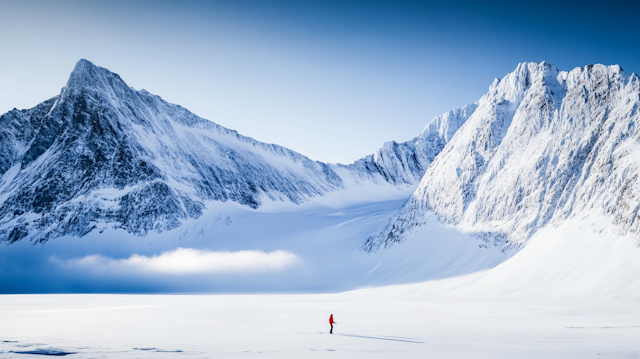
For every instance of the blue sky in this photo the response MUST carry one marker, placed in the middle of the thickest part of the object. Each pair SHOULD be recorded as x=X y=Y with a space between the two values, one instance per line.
x=329 y=79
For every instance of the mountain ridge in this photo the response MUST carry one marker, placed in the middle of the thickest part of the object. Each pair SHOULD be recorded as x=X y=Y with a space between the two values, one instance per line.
x=538 y=150
x=102 y=153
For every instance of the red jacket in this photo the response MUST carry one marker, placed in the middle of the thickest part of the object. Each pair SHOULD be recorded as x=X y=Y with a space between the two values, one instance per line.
x=331 y=319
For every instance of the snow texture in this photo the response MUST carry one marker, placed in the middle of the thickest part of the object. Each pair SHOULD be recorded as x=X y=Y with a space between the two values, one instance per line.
x=541 y=147
x=382 y=323
x=102 y=152
x=406 y=163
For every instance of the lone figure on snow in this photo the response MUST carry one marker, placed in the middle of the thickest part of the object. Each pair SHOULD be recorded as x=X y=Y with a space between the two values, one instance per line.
x=331 y=322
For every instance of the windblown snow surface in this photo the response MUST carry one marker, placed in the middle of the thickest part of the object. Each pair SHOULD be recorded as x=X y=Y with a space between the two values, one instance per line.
x=506 y=229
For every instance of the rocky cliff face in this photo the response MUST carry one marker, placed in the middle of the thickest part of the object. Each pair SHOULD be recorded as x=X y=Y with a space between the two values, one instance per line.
x=102 y=153
x=542 y=146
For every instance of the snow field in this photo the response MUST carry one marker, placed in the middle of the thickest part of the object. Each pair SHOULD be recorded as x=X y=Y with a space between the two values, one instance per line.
x=370 y=324
x=582 y=257
x=571 y=292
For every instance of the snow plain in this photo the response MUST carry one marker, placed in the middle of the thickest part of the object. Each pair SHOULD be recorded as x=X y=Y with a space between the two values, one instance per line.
x=381 y=323
x=571 y=292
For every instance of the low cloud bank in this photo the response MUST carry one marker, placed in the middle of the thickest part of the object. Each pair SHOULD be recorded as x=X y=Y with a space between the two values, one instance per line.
x=188 y=261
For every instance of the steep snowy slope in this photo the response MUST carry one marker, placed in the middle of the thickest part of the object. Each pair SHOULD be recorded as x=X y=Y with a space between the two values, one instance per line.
x=405 y=163
x=542 y=146
x=103 y=153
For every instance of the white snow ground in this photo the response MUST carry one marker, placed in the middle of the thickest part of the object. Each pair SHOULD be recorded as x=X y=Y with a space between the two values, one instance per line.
x=370 y=324
x=571 y=292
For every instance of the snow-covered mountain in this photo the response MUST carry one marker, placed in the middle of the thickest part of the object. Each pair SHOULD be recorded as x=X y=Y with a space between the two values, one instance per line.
x=541 y=147
x=103 y=154
x=406 y=163
x=546 y=158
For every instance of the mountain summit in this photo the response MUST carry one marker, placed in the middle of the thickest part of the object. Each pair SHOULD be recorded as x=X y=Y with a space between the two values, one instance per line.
x=542 y=146
x=102 y=154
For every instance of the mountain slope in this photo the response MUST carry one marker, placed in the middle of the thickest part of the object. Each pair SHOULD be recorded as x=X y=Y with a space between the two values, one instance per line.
x=542 y=146
x=102 y=154
x=406 y=162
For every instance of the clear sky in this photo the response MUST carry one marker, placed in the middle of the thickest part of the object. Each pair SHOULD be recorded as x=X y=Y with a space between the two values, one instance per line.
x=330 y=79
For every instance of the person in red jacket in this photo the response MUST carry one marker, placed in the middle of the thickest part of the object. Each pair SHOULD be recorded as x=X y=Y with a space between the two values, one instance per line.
x=331 y=322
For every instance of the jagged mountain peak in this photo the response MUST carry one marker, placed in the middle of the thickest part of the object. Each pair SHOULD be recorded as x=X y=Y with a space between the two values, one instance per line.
x=542 y=146
x=404 y=163
x=527 y=74
x=86 y=66
x=104 y=155
x=86 y=75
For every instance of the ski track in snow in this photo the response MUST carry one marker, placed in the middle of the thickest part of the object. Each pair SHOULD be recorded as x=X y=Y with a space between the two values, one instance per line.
x=406 y=340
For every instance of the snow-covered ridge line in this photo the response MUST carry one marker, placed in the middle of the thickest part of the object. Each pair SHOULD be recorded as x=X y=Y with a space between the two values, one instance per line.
x=88 y=75
x=406 y=162
x=541 y=147
x=102 y=136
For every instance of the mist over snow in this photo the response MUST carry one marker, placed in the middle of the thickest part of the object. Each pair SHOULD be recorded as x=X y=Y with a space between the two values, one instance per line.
x=185 y=261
